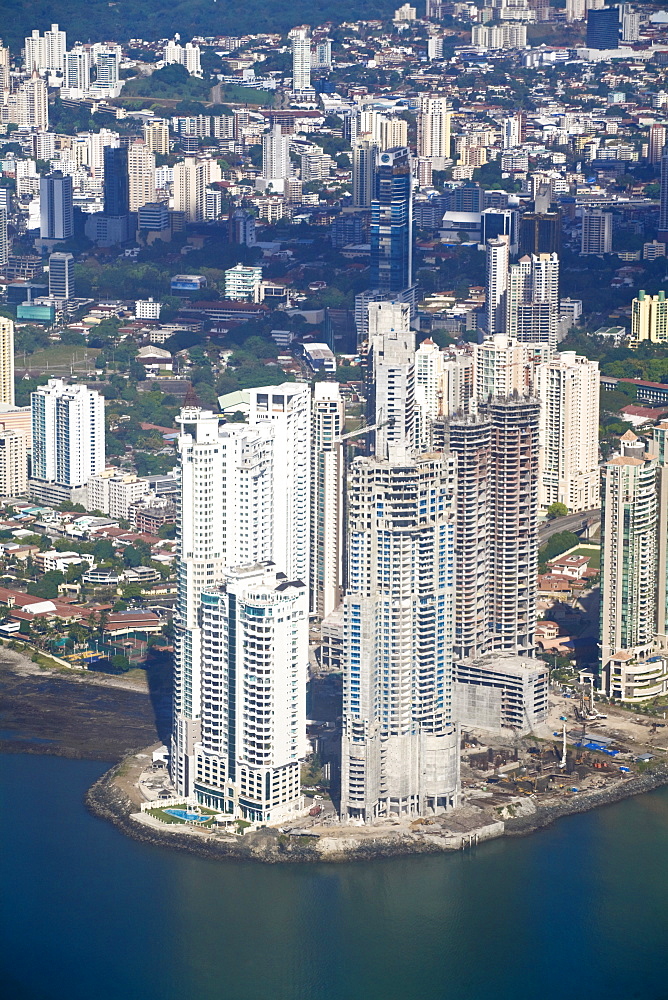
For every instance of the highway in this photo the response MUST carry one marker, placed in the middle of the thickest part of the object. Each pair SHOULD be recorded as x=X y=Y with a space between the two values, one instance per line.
x=571 y=522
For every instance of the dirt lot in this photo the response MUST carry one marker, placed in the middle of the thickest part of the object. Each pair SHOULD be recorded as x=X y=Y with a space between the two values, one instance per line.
x=75 y=715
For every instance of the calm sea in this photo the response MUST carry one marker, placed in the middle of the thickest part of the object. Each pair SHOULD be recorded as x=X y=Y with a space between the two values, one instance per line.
x=579 y=911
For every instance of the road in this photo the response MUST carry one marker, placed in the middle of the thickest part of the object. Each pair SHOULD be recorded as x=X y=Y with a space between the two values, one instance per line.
x=571 y=522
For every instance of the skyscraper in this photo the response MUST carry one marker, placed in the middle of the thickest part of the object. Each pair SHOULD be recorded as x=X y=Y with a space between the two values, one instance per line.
x=603 y=28
x=501 y=367
x=433 y=139
x=391 y=376
x=663 y=204
x=45 y=53
x=61 y=275
x=77 y=70
x=4 y=241
x=13 y=463
x=392 y=223
x=399 y=745
x=156 y=136
x=365 y=155
x=276 y=165
x=497 y=261
x=327 y=460
x=68 y=434
x=540 y=232
x=191 y=179
x=533 y=299
x=429 y=375
x=649 y=318
x=657 y=141
x=301 y=60
x=513 y=522
x=56 y=202
x=141 y=175
x=629 y=536
x=116 y=181
x=568 y=388
x=6 y=361
x=597 y=229
x=253 y=699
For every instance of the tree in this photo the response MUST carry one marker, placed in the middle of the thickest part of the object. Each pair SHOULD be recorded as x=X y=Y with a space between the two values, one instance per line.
x=103 y=550
x=556 y=510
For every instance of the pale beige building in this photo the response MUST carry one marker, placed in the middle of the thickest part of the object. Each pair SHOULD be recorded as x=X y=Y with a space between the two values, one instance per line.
x=6 y=361
x=568 y=387
x=141 y=175
x=156 y=136
x=649 y=319
x=13 y=464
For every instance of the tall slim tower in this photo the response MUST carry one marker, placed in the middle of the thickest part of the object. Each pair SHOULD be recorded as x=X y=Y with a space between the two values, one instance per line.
x=255 y=665
x=6 y=361
x=116 y=181
x=141 y=175
x=433 y=140
x=629 y=560
x=392 y=222
x=327 y=459
x=497 y=261
x=391 y=376
x=301 y=59
x=276 y=163
x=61 y=275
x=568 y=388
x=4 y=241
x=56 y=204
x=68 y=433
x=663 y=205
x=513 y=523
x=399 y=745
x=365 y=156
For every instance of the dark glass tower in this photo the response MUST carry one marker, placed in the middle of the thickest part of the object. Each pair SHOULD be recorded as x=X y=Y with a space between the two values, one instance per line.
x=392 y=222
x=603 y=28
x=116 y=182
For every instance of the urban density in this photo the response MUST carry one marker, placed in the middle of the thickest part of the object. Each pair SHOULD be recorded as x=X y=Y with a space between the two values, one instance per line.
x=334 y=392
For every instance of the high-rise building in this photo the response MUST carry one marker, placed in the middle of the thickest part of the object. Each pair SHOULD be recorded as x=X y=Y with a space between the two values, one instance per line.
x=629 y=20
x=513 y=523
x=399 y=745
x=327 y=462
x=56 y=202
x=67 y=433
x=497 y=222
x=4 y=69
x=61 y=276
x=107 y=64
x=568 y=388
x=392 y=223
x=13 y=463
x=533 y=299
x=191 y=179
x=649 y=318
x=497 y=262
x=603 y=28
x=391 y=376
x=501 y=367
x=141 y=175
x=540 y=232
x=629 y=565
x=663 y=203
x=597 y=230
x=365 y=156
x=6 y=361
x=4 y=241
x=116 y=181
x=253 y=700
x=46 y=53
x=657 y=141
x=429 y=376
x=28 y=106
x=77 y=70
x=301 y=59
x=575 y=10
x=243 y=283
x=433 y=138
x=276 y=165
x=156 y=136
x=188 y=56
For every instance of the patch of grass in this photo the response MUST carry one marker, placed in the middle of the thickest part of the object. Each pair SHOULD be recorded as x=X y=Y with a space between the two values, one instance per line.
x=60 y=359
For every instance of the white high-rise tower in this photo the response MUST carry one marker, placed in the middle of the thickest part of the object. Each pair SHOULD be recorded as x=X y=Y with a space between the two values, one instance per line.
x=301 y=59
x=326 y=499
x=68 y=434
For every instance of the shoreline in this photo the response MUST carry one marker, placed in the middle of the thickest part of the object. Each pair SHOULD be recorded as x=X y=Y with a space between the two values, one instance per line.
x=107 y=801
x=75 y=714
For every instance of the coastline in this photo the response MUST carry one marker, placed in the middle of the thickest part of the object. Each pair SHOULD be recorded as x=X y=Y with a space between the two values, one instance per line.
x=76 y=714
x=107 y=801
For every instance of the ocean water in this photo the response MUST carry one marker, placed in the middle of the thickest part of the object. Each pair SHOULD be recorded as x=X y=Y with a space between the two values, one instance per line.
x=579 y=910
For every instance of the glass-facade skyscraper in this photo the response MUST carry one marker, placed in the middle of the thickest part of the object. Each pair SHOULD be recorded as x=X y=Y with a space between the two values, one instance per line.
x=392 y=222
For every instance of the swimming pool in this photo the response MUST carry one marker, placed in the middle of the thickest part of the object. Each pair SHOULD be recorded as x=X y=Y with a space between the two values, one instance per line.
x=185 y=815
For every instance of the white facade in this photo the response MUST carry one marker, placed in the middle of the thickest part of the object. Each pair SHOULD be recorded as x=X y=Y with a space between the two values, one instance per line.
x=68 y=433
x=276 y=163
x=77 y=70
x=6 y=361
x=391 y=395
x=301 y=60
x=45 y=53
x=400 y=752
x=533 y=300
x=501 y=368
x=191 y=178
x=429 y=373
x=114 y=494
x=497 y=260
x=326 y=499
x=365 y=155
x=13 y=464
x=568 y=388
x=254 y=672
x=433 y=139
x=141 y=175
x=187 y=55
x=243 y=283
x=596 y=232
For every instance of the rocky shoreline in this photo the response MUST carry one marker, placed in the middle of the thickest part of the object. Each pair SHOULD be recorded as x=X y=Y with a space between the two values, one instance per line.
x=107 y=801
